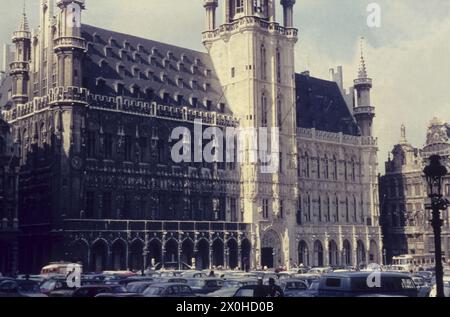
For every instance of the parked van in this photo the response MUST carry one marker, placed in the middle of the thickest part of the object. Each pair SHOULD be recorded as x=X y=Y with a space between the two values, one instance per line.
x=356 y=284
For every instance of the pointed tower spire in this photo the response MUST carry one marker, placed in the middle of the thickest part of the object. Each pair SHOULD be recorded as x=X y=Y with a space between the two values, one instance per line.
x=362 y=67
x=403 y=135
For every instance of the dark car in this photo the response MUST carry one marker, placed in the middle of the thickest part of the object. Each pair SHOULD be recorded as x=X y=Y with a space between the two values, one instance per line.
x=135 y=279
x=169 y=290
x=138 y=287
x=94 y=290
x=356 y=284
x=19 y=288
x=258 y=291
x=293 y=287
x=205 y=285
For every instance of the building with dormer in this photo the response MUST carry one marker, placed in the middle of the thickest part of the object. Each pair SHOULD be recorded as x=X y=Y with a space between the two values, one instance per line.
x=92 y=112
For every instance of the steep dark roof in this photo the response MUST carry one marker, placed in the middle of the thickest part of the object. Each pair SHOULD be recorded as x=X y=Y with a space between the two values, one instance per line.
x=320 y=105
x=154 y=61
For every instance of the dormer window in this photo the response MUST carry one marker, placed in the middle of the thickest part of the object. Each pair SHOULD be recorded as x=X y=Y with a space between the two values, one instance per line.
x=166 y=63
x=150 y=74
x=194 y=84
x=140 y=48
x=107 y=51
x=136 y=72
x=180 y=82
x=123 y=54
x=103 y=63
x=184 y=58
x=121 y=70
x=180 y=100
x=163 y=77
x=120 y=89
x=101 y=84
x=194 y=69
x=207 y=72
x=126 y=45
x=111 y=41
x=155 y=51
x=180 y=66
x=135 y=91
x=169 y=55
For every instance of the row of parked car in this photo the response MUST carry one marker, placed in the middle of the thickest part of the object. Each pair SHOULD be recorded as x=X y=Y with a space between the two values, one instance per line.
x=297 y=283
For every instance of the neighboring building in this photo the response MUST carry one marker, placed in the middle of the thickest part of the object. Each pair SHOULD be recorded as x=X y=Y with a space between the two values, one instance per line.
x=403 y=194
x=8 y=202
x=93 y=114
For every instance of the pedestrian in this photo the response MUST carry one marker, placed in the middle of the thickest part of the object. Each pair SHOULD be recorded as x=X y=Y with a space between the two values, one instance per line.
x=260 y=289
x=274 y=290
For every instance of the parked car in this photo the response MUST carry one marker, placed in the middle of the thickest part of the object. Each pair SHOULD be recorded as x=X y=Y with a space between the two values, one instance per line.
x=206 y=285
x=255 y=291
x=293 y=287
x=19 y=288
x=125 y=282
x=138 y=287
x=94 y=290
x=423 y=287
x=239 y=282
x=168 y=290
x=320 y=270
x=426 y=275
x=354 y=284
x=194 y=274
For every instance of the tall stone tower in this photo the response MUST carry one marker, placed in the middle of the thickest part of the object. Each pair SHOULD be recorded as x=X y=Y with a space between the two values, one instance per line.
x=20 y=67
x=253 y=56
x=363 y=111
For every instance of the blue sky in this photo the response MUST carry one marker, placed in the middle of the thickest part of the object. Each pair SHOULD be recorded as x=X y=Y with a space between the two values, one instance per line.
x=408 y=56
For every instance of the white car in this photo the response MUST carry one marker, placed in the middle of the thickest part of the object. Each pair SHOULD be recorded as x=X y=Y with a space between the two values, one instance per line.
x=446 y=288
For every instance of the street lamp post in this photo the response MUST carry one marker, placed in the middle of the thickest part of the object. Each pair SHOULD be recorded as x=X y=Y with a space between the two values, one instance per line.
x=434 y=173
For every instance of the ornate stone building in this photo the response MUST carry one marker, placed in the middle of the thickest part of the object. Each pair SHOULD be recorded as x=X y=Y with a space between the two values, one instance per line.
x=403 y=194
x=93 y=111
x=8 y=201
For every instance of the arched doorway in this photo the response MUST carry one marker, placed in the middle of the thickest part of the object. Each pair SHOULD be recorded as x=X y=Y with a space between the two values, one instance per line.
x=187 y=253
x=79 y=253
x=217 y=256
x=232 y=254
x=333 y=253
x=171 y=254
x=318 y=254
x=154 y=253
x=136 y=255
x=303 y=253
x=346 y=253
x=99 y=256
x=202 y=255
x=360 y=253
x=246 y=249
x=119 y=255
x=270 y=250
x=5 y=257
x=373 y=253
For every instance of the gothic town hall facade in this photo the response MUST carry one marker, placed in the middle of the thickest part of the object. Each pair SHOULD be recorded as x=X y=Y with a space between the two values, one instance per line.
x=91 y=113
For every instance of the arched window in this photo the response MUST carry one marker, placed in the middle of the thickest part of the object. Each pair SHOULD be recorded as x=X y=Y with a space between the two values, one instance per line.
x=263 y=63
x=264 y=110
x=336 y=205
x=299 y=211
x=278 y=56
x=345 y=171
x=309 y=207
x=320 y=209
x=328 y=209
x=327 y=168
x=318 y=166
x=335 y=168
x=347 y=215
x=355 y=210
x=353 y=167
x=279 y=113
x=306 y=165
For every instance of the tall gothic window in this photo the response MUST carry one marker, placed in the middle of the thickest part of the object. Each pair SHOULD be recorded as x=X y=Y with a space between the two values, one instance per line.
x=328 y=208
x=278 y=56
x=335 y=168
x=265 y=208
x=91 y=142
x=355 y=209
x=327 y=168
x=309 y=207
x=264 y=110
x=353 y=167
x=320 y=209
x=263 y=63
x=318 y=166
x=280 y=112
x=306 y=165
x=347 y=211
x=299 y=211
x=336 y=205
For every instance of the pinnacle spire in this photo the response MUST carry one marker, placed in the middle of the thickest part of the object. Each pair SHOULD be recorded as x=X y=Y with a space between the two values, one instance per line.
x=24 y=26
x=403 y=134
x=362 y=73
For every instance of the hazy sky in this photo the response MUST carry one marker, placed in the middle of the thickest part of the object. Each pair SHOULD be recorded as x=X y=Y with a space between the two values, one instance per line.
x=408 y=57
